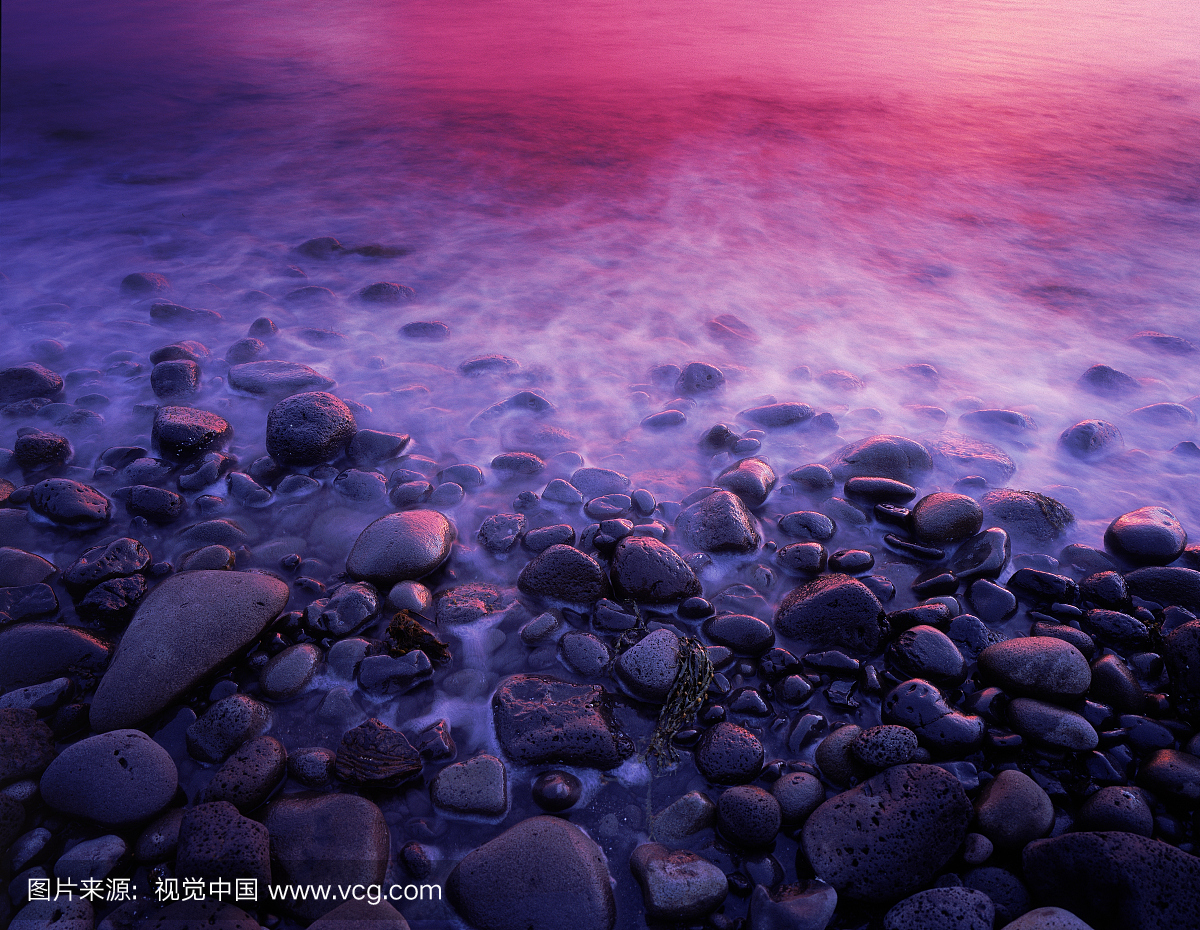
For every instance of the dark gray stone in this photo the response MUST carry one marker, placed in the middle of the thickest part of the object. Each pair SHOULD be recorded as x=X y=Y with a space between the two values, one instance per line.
x=26 y=744
x=883 y=457
x=719 y=522
x=1173 y=776
x=182 y=434
x=942 y=518
x=273 y=378
x=750 y=479
x=249 y=775
x=1027 y=514
x=699 y=378
x=921 y=707
x=961 y=456
x=1012 y=810
x=114 y=778
x=477 y=786
x=215 y=841
x=1170 y=585
x=926 y=652
x=677 y=886
x=651 y=572
x=1117 y=807
x=1091 y=439
x=748 y=816
x=18 y=567
x=833 y=610
x=401 y=547
x=798 y=794
x=563 y=573
x=728 y=754
x=1037 y=666
x=1052 y=725
x=27 y=381
x=31 y=653
x=942 y=909
x=70 y=503
x=361 y=915
x=309 y=428
x=584 y=653
x=884 y=746
x=468 y=603
x=543 y=720
x=373 y=755
x=802 y=906
x=1149 y=536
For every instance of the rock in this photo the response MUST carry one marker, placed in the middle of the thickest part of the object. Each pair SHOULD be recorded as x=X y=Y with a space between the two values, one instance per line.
x=585 y=654
x=118 y=559
x=1167 y=586
x=347 y=610
x=383 y=674
x=677 y=886
x=477 y=786
x=557 y=791
x=112 y=602
x=1091 y=439
x=778 y=416
x=651 y=572
x=33 y=600
x=18 y=568
x=373 y=755
x=961 y=456
x=728 y=754
x=926 y=652
x=370 y=447
x=1117 y=808
x=563 y=573
x=401 y=547
x=1047 y=918
x=884 y=746
x=68 y=914
x=1149 y=536
x=1105 y=381
x=803 y=558
x=750 y=479
x=719 y=522
x=481 y=365
x=1038 y=666
x=699 y=378
x=833 y=610
x=1162 y=342
x=798 y=794
x=518 y=464
x=685 y=816
x=155 y=504
x=36 y=449
x=274 y=378
x=188 y=626
x=246 y=350
x=807 y=525
x=1052 y=725
x=748 y=816
x=942 y=909
x=114 y=778
x=361 y=915
x=25 y=382
x=1116 y=880
x=891 y=834
x=1173 y=776
x=183 y=434
x=1126 y=633
x=1013 y=810
x=532 y=875
x=433 y=330
x=26 y=744
x=802 y=906
x=744 y=634
x=468 y=603
x=249 y=775
x=938 y=519
x=91 y=859
x=543 y=720
x=70 y=503
x=179 y=378
x=1027 y=514
x=984 y=555
x=882 y=457
x=309 y=428
x=313 y=767
x=387 y=293
x=921 y=707
x=225 y=726
x=31 y=653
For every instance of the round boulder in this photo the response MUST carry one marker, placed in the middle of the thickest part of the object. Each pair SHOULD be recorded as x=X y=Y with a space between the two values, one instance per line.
x=401 y=547
x=114 y=778
x=308 y=428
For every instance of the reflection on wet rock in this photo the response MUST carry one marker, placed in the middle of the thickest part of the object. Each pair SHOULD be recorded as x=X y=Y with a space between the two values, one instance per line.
x=543 y=720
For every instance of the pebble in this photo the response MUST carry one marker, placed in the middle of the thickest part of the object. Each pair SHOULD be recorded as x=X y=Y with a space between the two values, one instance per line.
x=18 y=567
x=468 y=603
x=677 y=886
x=807 y=525
x=289 y=672
x=944 y=518
x=921 y=707
x=114 y=778
x=215 y=841
x=174 y=379
x=477 y=786
x=699 y=378
x=984 y=555
x=373 y=755
x=543 y=720
x=1164 y=415
x=803 y=558
x=1172 y=775
x=158 y=505
x=32 y=653
x=70 y=503
x=1116 y=807
x=965 y=457
x=728 y=754
x=991 y=603
x=719 y=522
x=942 y=909
x=27 y=744
x=585 y=654
x=1012 y=810
x=1169 y=585
x=1037 y=666
x=890 y=835
x=893 y=457
x=880 y=490
x=1027 y=513
x=249 y=775
x=118 y=559
x=183 y=434
x=159 y=841
x=833 y=610
x=751 y=479
x=1115 y=880
x=926 y=652
x=433 y=330
x=563 y=573
x=1149 y=536
x=1052 y=725
x=38 y=449
x=532 y=875
x=184 y=629
x=798 y=794
x=651 y=572
x=744 y=634
x=686 y=816
x=499 y=532
x=557 y=791
x=309 y=428
x=1117 y=629
x=401 y=547
x=313 y=767
x=748 y=816
x=480 y=365
x=800 y=906
x=884 y=746
x=1105 y=381
x=648 y=667
x=330 y=839
x=1091 y=439
x=28 y=381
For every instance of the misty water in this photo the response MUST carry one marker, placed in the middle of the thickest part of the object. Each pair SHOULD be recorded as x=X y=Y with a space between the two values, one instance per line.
x=1005 y=192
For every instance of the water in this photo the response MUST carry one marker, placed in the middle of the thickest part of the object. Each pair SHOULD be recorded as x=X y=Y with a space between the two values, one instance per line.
x=1006 y=192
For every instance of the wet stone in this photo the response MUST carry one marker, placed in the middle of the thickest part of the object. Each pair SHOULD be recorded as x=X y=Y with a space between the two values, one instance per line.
x=750 y=479
x=991 y=602
x=73 y=914
x=309 y=428
x=1105 y=589
x=180 y=378
x=27 y=381
x=650 y=572
x=851 y=561
x=648 y=668
x=556 y=791
x=699 y=378
x=1027 y=513
x=70 y=503
x=18 y=568
x=1037 y=666
x=249 y=775
x=114 y=778
x=433 y=330
x=1117 y=808
x=1173 y=776
x=677 y=886
x=543 y=720
x=401 y=547
x=728 y=754
x=833 y=610
x=209 y=558
x=779 y=415
x=1105 y=381
x=1091 y=440
x=563 y=573
x=373 y=755
x=884 y=746
x=118 y=559
x=530 y=876
x=481 y=365
x=31 y=600
x=289 y=672
x=31 y=653
x=807 y=525
x=803 y=558
x=1149 y=536
x=37 y=449
x=468 y=603
x=1046 y=587
x=171 y=314
x=477 y=786
x=1118 y=629
x=312 y=767
x=1168 y=586
x=584 y=653
x=719 y=522
x=112 y=602
x=942 y=909
x=1013 y=810
x=275 y=378
x=926 y=652
x=880 y=490
x=245 y=350
x=943 y=518
x=1052 y=725
x=1164 y=415
x=26 y=744
x=542 y=538
x=921 y=707
x=182 y=434
x=800 y=906
x=891 y=457
x=685 y=816
x=518 y=464
x=744 y=634
x=157 y=505
x=882 y=839
x=666 y=419
x=225 y=725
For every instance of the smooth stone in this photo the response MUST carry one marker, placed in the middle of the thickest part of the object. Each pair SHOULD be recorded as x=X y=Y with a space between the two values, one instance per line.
x=384 y=674
x=884 y=746
x=328 y=839
x=26 y=744
x=1115 y=685
x=361 y=915
x=480 y=365
x=1013 y=810
x=880 y=490
x=1027 y=513
x=557 y=791
x=518 y=464
x=370 y=447
x=921 y=707
x=750 y=479
x=1047 y=918
x=178 y=378
x=272 y=377
x=1172 y=775
x=651 y=572
x=963 y=456
x=990 y=602
x=1124 y=632
x=499 y=532
x=28 y=381
x=433 y=330
x=1037 y=666
x=531 y=876
x=677 y=885
x=779 y=415
x=926 y=652
x=542 y=720
x=185 y=628
x=890 y=835
x=801 y=906
x=32 y=653
x=249 y=775
x=477 y=786
x=882 y=457
x=1168 y=586
x=1162 y=342
x=584 y=653
x=74 y=913
x=1116 y=881
x=225 y=726
x=1091 y=439
x=70 y=503
x=699 y=378
x=373 y=755
x=91 y=859
x=744 y=634
x=685 y=816
x=183 y=434
x=155 y=504
x=803 y=558
x=41 y=698
x=18 y=567
x=798 y=794
x=309 y=428
x=984 y=555
x=833 y=610
x=1149 y=536
x=563 y=573
x=748 y=816
x=1106 y=381
x=114 y=778
x=401 y=547
x=719 y=522
x=1052 y=725
x=33 y=600
x=807 y=525
x=943 y=518
x=728 y=754
x=1164 y=415
x=1116 y=807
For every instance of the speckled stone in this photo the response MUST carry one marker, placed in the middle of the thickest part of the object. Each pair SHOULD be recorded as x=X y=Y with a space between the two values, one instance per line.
x=401 y=547
x=114 y=778
x=677 y=885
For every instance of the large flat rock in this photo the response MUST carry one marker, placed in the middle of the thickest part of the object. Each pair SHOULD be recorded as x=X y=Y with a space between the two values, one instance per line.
x=185 y=628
